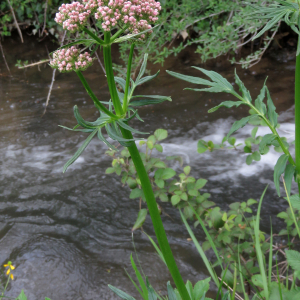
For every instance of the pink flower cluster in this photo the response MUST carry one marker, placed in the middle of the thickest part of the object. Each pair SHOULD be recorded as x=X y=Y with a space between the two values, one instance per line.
x=71 y=16
x=69 y=59
x=137 y=14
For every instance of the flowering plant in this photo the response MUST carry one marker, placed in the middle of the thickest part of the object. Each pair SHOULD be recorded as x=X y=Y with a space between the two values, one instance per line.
x=132 y=18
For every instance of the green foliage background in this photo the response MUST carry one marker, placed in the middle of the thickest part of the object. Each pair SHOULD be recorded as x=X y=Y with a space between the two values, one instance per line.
x=213 y=27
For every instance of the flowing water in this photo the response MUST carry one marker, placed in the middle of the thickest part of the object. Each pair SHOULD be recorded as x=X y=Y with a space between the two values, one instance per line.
x=69 y=235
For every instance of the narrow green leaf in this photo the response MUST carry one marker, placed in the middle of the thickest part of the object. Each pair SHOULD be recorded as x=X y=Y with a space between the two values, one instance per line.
x=80 y=150
x=238 y=124
x=140 y=219
x=120 y=293
x=113 y=134
x=121 y=82
x=200 y=250
x=125 y=126
x=278 y=170
x=81 y=121
x=143 y=67
x=140 y=279
x=168 y=98
x=227 y=104
x=226 y=296
x=144 y=102
x=81 y=130
x=212 y=244
x=288 y=177
x=270 y=24
x=272 y=115
x=160 y=254
x=146 y=79
x=101 y=138
x=130 y=36
x=260 y=256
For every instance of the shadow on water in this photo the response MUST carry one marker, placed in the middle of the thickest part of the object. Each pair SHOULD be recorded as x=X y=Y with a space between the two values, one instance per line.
x=69 y=234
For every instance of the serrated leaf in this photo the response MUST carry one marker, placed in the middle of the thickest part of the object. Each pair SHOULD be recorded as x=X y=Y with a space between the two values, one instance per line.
x=238 y=124
x=245 y=92
x=120 y=293
x=266 y=140
x=161 y=134
x=227 y=104
x=293 y=259
x=278 y=170
x=288 y=177
x=140 y=219
x=259 y=104
x=272 y=115
x=79 y=151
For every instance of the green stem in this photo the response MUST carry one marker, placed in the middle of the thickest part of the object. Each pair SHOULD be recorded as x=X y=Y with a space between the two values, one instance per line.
x=125 y=101
x=273 y=129
x=110 y=75
x=117 y=34
x=297 y=119
x=155 y=216
x=143 y=175
x=2 y=296
x=92 y=35
x=97 y=103
x=291 y=207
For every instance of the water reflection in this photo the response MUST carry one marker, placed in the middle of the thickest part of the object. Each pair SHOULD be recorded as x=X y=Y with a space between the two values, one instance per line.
x=69 y=234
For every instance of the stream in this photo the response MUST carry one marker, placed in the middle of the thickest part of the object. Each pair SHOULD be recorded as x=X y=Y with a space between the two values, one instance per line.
x=69 y=235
